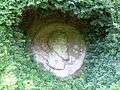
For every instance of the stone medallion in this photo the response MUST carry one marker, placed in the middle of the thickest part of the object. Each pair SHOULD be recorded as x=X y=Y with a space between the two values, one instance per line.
x=60 y=48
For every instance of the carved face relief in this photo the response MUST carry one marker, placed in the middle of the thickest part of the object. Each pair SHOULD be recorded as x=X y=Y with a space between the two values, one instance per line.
x=60 y=48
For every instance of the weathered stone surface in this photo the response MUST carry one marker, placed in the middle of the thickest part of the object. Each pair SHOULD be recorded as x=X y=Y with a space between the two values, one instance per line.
x=60 y=48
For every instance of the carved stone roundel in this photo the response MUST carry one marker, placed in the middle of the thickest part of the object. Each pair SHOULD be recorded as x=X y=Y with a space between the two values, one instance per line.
x=60 y=48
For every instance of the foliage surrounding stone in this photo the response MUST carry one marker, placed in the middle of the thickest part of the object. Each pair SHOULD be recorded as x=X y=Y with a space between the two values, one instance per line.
x=103 y=52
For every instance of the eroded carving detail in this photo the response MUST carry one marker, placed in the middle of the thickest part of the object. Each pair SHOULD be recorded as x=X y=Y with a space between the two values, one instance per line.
x=60 y=48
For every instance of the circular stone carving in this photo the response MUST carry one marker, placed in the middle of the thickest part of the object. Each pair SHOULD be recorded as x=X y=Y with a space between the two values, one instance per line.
x=60 y=48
